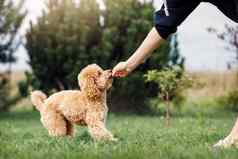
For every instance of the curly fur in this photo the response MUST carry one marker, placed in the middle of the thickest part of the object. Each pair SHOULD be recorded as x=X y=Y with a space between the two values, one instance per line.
x=86 y=107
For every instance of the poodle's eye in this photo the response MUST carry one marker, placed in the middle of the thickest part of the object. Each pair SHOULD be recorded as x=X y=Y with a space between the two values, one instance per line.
x=99 y=73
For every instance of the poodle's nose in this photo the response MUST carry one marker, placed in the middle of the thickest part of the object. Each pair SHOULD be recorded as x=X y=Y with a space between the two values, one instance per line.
x=109 y=72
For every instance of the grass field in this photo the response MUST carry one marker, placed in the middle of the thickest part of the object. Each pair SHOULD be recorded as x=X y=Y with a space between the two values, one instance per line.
x=190 y=136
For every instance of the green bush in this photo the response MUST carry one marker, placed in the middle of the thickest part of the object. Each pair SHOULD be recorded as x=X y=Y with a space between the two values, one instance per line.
x=229 y=101
x=6 y=99
x=4 y=93
x=171 y=82
x=11 y=18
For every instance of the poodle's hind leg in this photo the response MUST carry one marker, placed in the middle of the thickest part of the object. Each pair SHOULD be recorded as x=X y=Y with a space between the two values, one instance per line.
x=70 y=128
x=55 y=124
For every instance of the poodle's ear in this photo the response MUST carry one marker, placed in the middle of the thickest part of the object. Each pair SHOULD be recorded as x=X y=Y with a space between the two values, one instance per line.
x=80 y=81
x=89 y=85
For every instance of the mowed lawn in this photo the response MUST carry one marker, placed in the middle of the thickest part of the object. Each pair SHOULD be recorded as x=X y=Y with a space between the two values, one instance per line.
x=188 y=137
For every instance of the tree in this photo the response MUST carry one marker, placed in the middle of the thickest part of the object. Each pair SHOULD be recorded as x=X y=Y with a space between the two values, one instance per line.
x=4 y=92
x=10 y=23
x=229 y=36
x=170 y=81
x=70 y=36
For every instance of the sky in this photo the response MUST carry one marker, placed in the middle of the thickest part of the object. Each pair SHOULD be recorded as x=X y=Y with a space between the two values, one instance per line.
x=202 y=50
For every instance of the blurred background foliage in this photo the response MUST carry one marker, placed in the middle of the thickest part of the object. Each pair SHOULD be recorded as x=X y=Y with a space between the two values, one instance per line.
x=11 y=19
x=230 y=37
x=71 y=35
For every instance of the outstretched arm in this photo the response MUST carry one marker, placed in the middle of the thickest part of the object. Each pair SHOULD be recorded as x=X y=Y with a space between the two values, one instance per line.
x=151 y=42
x=163 y=27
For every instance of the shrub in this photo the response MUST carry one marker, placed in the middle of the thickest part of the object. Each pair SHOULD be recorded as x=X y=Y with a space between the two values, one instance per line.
x=11 y=18
x=171 y=82
x=229 y=101
x=4 y=93
x=6 y=99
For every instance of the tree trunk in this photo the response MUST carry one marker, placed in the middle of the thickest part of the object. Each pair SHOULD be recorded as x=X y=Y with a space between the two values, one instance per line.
x=167 y=109
x=9 y=71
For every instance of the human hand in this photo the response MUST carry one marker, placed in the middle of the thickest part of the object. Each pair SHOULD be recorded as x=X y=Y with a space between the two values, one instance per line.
x=120 y=70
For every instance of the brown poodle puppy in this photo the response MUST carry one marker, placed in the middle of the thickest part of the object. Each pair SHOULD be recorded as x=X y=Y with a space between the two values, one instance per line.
x=87 y=107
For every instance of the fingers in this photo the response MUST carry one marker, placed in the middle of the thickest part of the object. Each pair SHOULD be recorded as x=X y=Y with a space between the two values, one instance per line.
x=120 y=74
x=120 y=70
x=118 y=67
x=114 y=72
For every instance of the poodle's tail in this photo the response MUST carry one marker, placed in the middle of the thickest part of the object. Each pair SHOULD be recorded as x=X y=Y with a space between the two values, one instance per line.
x=37 y=99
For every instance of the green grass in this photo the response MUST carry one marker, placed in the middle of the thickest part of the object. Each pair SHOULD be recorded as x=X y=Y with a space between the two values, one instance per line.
x=188 y=137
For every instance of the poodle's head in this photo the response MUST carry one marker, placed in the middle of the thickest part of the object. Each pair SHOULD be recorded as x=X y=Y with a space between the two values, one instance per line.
x=94 y=81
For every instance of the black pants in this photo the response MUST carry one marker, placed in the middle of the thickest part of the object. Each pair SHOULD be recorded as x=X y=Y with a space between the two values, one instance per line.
x=227 y=7
x=180 y=9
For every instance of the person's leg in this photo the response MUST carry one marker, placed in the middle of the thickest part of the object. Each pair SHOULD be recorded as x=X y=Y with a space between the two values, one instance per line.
x=231 y=139
x=234 y=131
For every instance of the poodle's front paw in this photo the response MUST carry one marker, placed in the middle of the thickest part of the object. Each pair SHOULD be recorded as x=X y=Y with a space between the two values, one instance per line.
x=114 y=139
